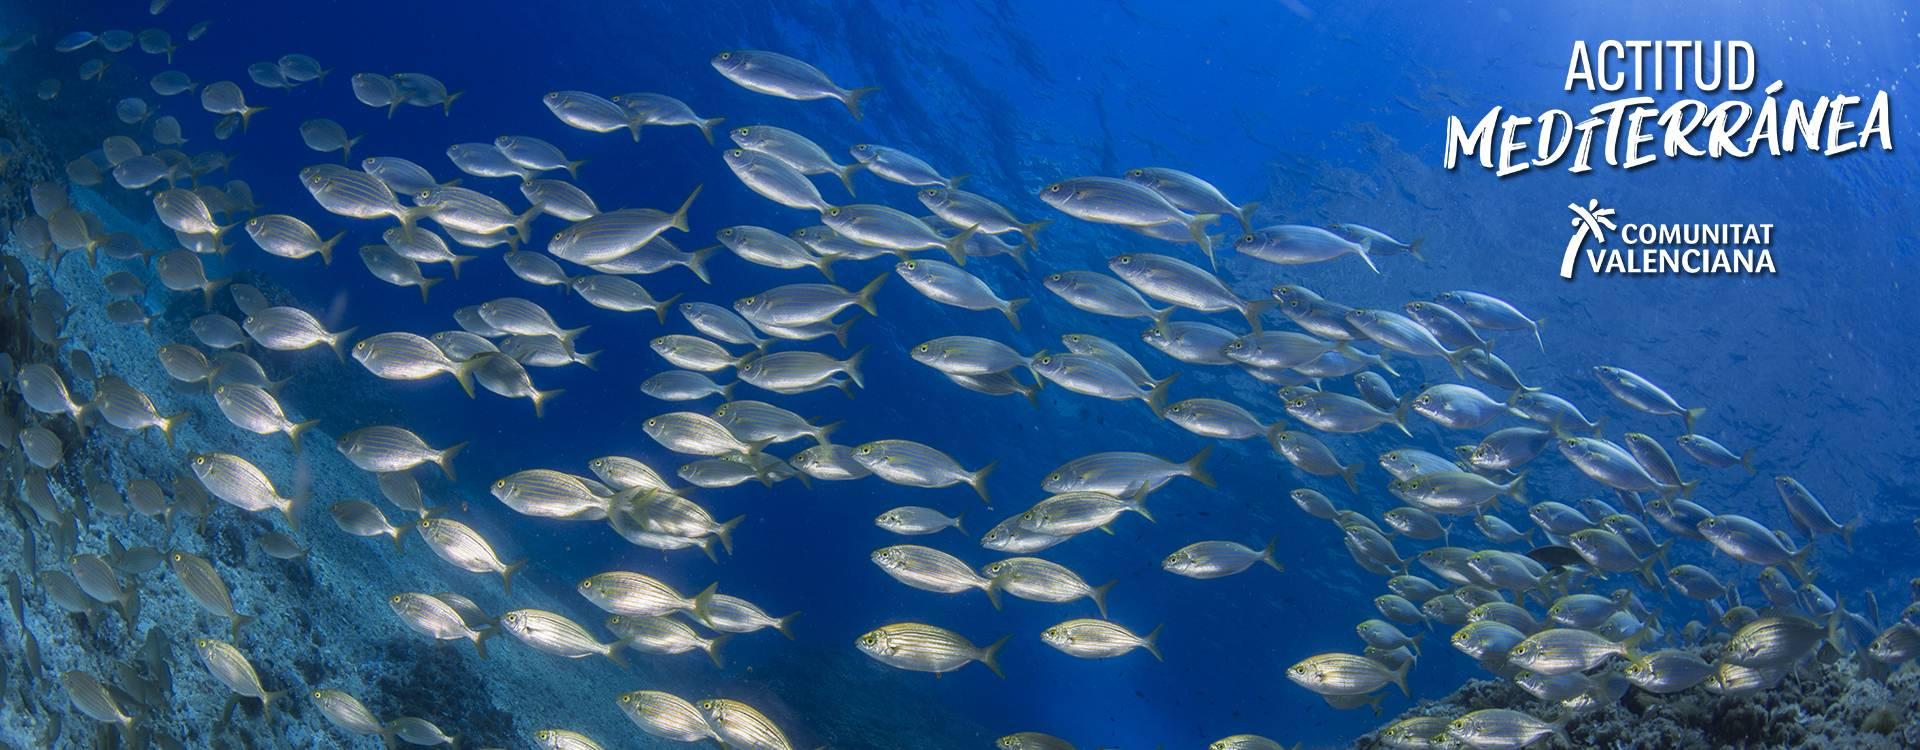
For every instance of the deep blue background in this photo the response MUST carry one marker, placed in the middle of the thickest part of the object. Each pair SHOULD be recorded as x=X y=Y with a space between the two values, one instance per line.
x=1330 y=114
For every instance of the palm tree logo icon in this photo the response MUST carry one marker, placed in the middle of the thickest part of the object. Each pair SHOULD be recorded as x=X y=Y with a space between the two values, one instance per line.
x=1589 y=221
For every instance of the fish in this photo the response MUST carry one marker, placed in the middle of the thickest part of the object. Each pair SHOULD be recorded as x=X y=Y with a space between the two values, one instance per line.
x=417 y=731
x=585 y=111
x=1707 y=451
x=778 y=75
x=967 y=355
x=1294 y=244
x=383 y=449
x=1346 y=674
x=1106 y=200
x=1102 y=295
x=795 y=151
x=429 y=616
x=666 y=716
x=1560 y=651
x=1808 y=514
x=660 y=109
x=661 y=635
x=286 y=329
x=633 y=594
x=239 y=483
x=914 y=520
x=230 y=667
x=1218 y=559
x=927 y=648
x=545 y=493
x=361 y=518
x=459 y=544
x=349 y=714
x=326 y=136
x=1638 y=392
x=291 y=238
x=226 y=98
x=558 y=199
x=535 y=155
x=796 y=305
x=776 y=180
x=554 y=634
x=918 y=465
x=1182 y=284
x=951 y=285
x=399 y=355
x=930 y=569
x=963 y=209
x=894 y=230
x=1501 y=729
x=1491 y=313
x=1190 y=193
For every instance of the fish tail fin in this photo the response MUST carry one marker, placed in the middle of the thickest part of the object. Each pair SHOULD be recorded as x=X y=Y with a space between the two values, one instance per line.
x=712 y=647
x=854 y=97
x=586 y=359
x=1151 y=642
x=1197 y=227
x=725 y=532
x=706 y=127
x=660 y=308
x=1413 y=249
x=479 y=639
x=785 y=625
x=168 y=423
x=1157 y=397
x=463 y=374
x=954 y=181
x=444 y=459
x=1245 y=214
x=1836 y=632
x=267 y=697
x=680 y=214
x=1399 y=677
x=1351 y=475
x=634 y=128
x=207 y=292
x=399 y=539
x=1136 y=501
x=506 y=574
x=1693 y=414
x=1798 y=562
x=1197 y=467
x=540 y=399
x=236 y=623
x=326 y=248
x=957 y=244
x=346 y=152
x=706 y=546
x=1846 y=532
x=852 y=366
x=697 y=263
x=291 y=509
x=1012 y=310
x=1019 y=255
x=337 y=341
x=1028 y=230
x=567 y=337
x=821 y=433
x=865 y=297
x=825 y=264
x=426 y=284
x=1254 y=309
x=1536 y=334
x=1099 y=596
x=992 y=590
x=446 y=107
x=573 y=168
x=978 y=481
x=1160 y=317
x=1457 y=360
x=1746 y=461
x=1266 y=555
x=846 y=174
x=617 y=652
x=840 y=331
x=990 y=655
x=246 y=116
x=1414 y=640
x=1365 y=251
x=1518 y=489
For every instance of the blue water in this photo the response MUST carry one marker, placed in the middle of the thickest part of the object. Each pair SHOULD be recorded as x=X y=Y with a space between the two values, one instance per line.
x=1322 y=115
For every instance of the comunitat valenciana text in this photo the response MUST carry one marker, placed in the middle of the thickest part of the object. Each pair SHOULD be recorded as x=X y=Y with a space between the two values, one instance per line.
x=1620 y=129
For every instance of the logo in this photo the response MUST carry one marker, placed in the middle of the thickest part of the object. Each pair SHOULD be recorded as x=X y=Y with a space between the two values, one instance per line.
x=1731 y=248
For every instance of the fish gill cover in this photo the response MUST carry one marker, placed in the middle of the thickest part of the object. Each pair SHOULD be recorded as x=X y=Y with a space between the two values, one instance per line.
x=1033 y=376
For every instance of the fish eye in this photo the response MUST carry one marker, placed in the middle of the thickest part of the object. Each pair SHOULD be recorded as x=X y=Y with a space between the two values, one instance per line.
x=1125 y=259
x=910 y=265
x=861 y=147
x=395 y=599
x=1054 y=277
x=724 y=56
x=924 y=348
x=833 y=211
x=1054 y=188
